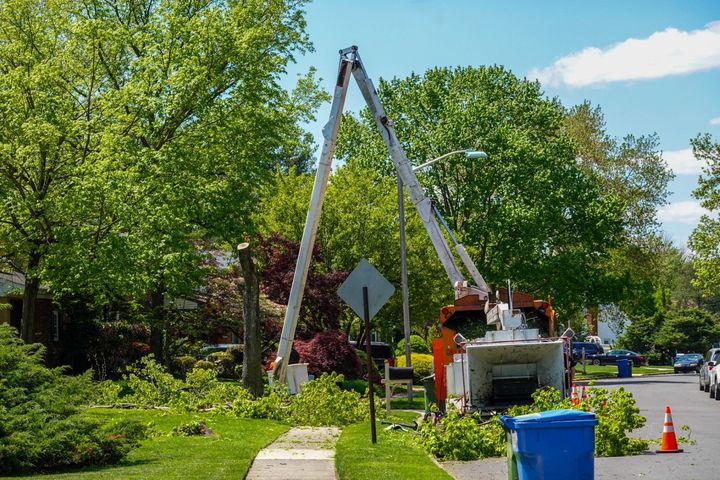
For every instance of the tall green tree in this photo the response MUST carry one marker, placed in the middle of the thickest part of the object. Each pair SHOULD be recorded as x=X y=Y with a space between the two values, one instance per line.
x=632 y=170
x=130 y=128
x=705 y=238
x=529 y=212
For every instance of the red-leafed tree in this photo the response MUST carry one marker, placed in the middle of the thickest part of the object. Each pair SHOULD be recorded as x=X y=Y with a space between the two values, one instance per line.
x=329 y=352
x=321 y=306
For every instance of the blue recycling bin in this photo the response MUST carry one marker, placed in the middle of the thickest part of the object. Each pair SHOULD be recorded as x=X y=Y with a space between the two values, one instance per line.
x=624 y=366
x=552 y=445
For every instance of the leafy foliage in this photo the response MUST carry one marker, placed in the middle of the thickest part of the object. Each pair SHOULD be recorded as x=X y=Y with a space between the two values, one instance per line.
x=322 y=402
x=329 y=352
x=527 y=212
x=676 y=330
x=321 y=307
x=40 y=423
x=463 y=437
x=705 y=238
x=120 y=125
x=422 y=364
x=417 y=345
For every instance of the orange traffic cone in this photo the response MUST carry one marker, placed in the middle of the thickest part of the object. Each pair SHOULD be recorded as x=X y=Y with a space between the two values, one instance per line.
x=584 y=394
x=574 y=395
x=669 y=442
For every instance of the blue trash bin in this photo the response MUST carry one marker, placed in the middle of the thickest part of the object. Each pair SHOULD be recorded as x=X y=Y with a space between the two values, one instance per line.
x=624 y=366
x=551 y=445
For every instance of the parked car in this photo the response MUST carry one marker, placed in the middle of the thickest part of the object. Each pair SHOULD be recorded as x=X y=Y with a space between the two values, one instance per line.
x=611 y=357
x=711 y=358
x=688 y=362
x=381 y=351
x=591 y=348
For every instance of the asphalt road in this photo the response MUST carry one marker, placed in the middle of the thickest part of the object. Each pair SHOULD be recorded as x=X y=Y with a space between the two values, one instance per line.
x=689 y=406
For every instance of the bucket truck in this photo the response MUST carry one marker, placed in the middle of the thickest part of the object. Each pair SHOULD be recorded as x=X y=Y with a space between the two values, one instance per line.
x=509 y=353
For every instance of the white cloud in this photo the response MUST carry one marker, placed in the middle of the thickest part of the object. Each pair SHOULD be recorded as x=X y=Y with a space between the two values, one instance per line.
x=669 y=52
x=715 y=121
x=687 y=212
x=682 y=162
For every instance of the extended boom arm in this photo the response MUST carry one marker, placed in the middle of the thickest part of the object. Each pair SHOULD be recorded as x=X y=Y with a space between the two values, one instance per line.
x=350 y=63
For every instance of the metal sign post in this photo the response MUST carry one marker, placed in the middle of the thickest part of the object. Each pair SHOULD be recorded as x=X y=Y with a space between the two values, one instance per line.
x=356 y=291
x=368 y=351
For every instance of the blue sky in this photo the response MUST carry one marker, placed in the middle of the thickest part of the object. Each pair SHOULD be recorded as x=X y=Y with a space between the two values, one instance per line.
x=653 y=66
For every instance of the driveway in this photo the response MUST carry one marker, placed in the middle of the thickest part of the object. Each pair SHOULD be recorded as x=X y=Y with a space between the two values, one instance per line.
x=689 y=406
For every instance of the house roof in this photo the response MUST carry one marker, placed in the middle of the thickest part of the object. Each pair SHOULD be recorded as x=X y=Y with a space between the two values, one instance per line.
x=13 y=284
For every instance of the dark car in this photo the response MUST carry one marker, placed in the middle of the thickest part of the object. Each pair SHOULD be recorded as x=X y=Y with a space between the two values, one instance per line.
x=688 y=362
x=589 y=347
x=611 y=357
x=381 y=351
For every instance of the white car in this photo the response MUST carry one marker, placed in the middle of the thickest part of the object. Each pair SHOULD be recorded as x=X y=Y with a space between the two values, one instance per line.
x=708 y=372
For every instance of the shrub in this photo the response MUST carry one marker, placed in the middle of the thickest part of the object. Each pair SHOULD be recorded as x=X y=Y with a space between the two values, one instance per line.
x=329 y=351
x=40 y=423
x=224 y=364
x=362 y=358
x=417 y=345
x=422 y=365
x=115 y=345
x=204 y=365
x=360 y=386
x=184 y=364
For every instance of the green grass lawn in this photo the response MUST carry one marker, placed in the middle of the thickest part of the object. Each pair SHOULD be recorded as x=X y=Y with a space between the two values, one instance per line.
x=227 y=455
x=610 y=371
x=394 y=456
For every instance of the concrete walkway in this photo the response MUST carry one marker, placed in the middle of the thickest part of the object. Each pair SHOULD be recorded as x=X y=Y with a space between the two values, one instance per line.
x=303 y=453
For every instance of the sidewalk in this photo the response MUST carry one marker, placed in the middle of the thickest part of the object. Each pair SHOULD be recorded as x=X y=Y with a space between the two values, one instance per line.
x=303 y=453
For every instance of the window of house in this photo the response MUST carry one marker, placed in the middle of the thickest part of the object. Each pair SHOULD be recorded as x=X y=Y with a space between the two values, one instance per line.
x=55 y=325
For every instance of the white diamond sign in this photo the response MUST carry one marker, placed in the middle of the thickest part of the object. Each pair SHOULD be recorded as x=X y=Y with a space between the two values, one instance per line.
x=379 y=289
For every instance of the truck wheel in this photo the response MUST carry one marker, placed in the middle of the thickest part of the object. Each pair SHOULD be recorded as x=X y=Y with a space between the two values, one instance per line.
x=676 y=370
x=707 y=387
x=712 y=392
x=596 y=362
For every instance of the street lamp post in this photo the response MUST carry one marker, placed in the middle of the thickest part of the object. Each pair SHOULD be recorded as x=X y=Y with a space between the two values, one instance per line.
x=403 y=256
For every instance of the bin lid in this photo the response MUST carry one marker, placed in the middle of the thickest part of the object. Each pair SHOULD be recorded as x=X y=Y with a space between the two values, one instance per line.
x=550 y=418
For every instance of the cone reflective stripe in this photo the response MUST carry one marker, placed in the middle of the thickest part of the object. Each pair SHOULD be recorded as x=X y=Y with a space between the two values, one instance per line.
x=574 y=396
x=669 y=441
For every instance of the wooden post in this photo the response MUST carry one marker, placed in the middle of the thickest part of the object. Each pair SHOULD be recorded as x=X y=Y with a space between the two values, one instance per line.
x=368 y=350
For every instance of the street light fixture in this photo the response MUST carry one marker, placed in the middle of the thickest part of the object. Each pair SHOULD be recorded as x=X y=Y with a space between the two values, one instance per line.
x=403 y=253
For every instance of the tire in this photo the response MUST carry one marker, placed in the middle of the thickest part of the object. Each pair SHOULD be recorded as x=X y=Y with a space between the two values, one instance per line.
x=712 y=392
x=676 y=370
x=596 y=361
x=706 y=388
x=700 y=384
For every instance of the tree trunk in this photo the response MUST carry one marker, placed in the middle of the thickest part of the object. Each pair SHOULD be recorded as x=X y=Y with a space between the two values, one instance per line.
x=30 y=294
x=252 y=358
x=157 y=325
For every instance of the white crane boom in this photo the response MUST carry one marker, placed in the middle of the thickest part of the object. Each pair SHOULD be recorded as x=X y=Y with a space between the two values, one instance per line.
x=350 y=63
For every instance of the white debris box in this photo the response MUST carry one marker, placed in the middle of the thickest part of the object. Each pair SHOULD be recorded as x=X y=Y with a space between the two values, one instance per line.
x=297 y=375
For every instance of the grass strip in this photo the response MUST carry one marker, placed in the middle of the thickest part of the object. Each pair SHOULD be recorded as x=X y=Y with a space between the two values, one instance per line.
x=610 y=371
x=227 y=455
x=394 y=456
